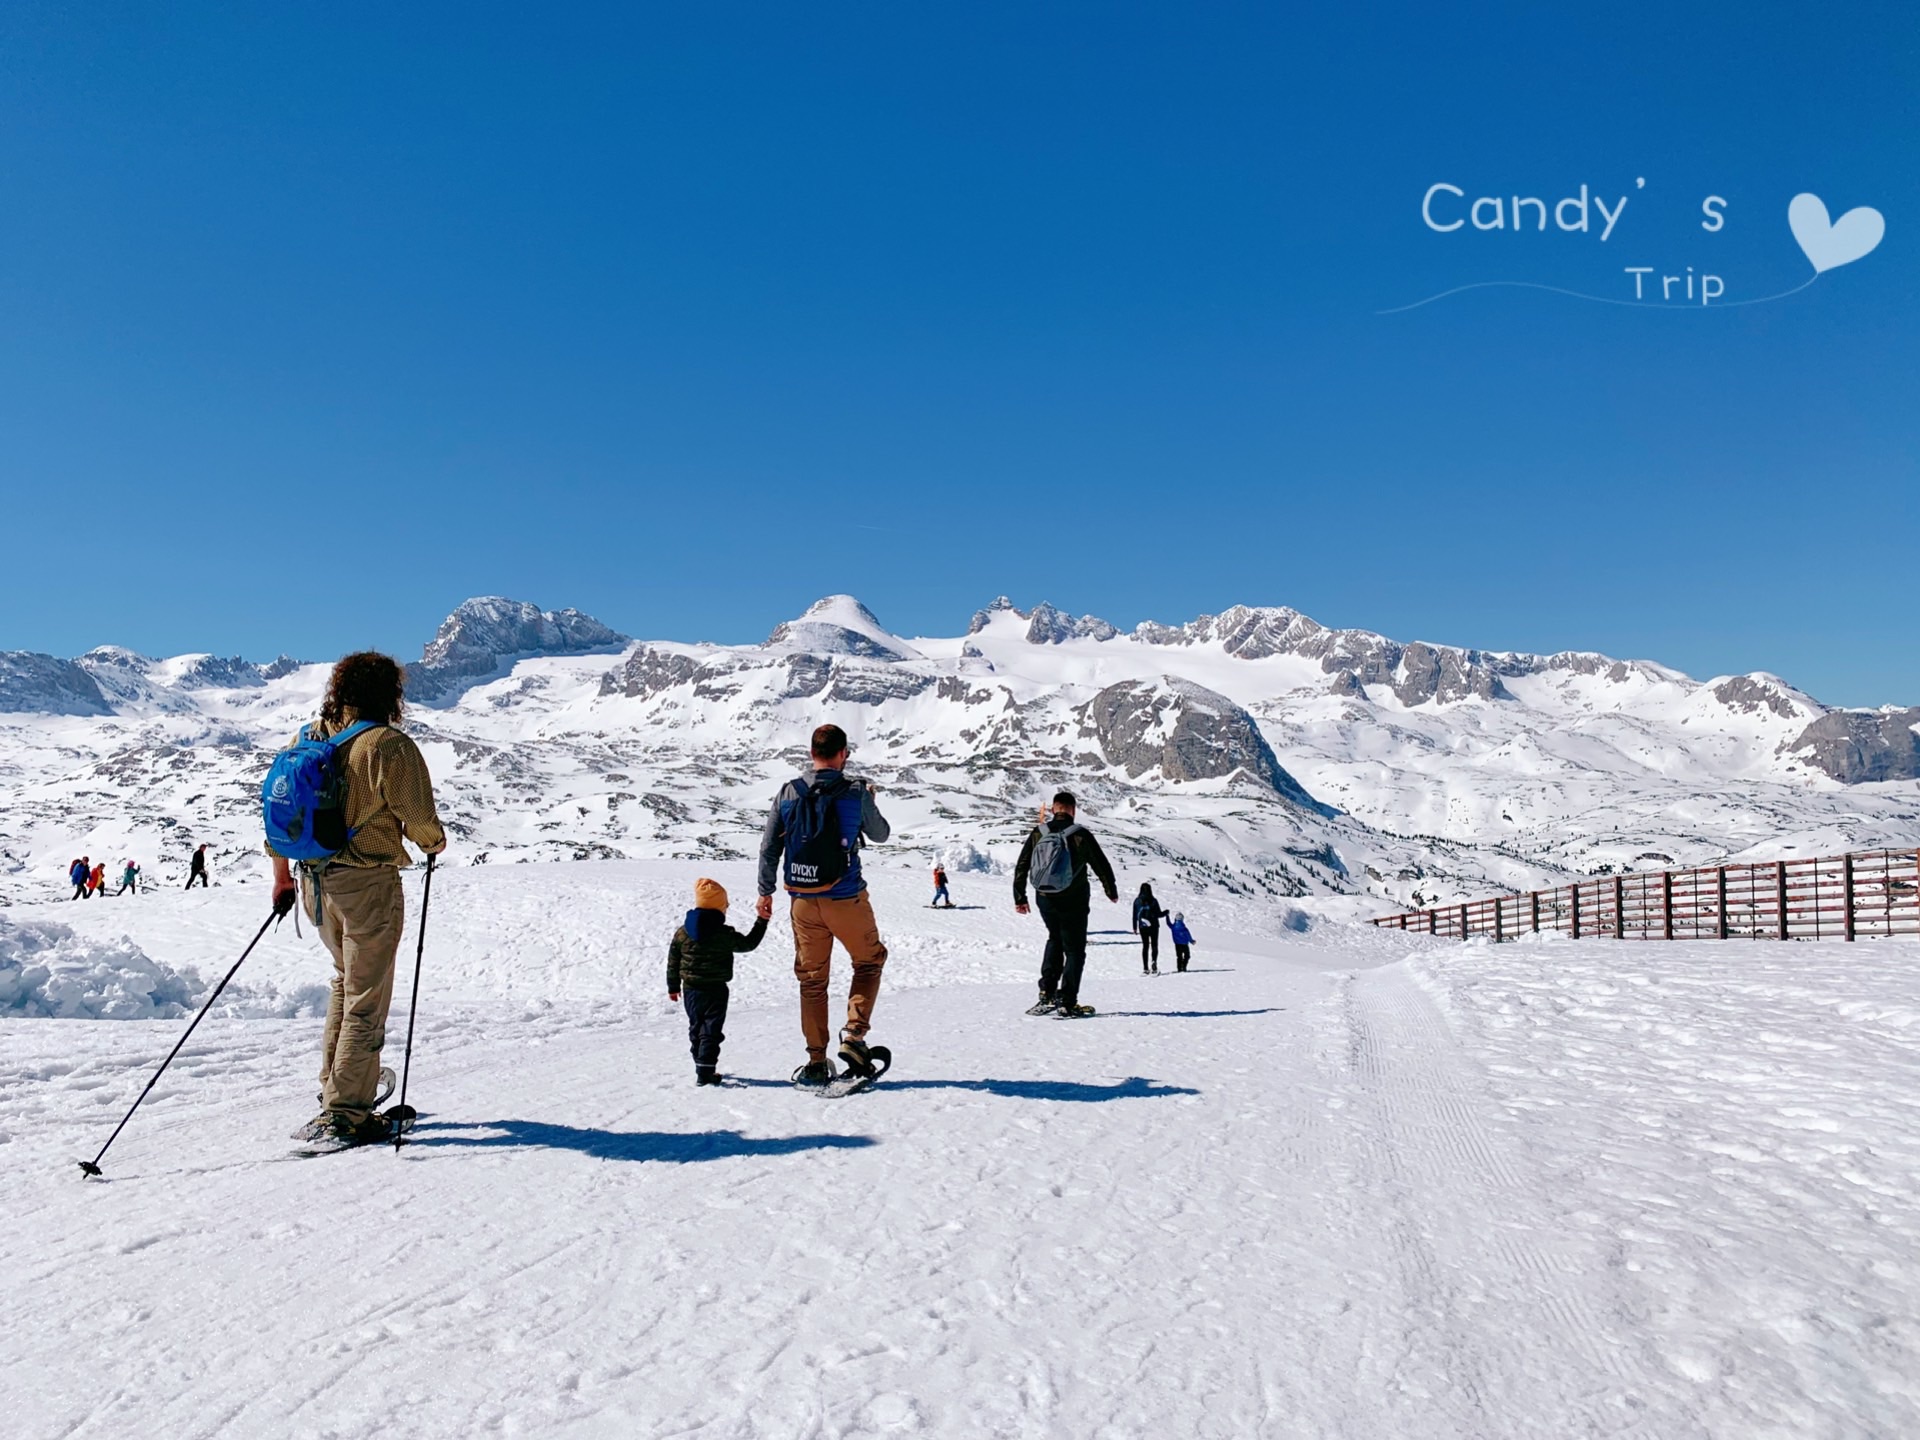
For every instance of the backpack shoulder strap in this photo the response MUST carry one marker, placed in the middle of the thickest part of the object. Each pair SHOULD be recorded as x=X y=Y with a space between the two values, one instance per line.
x=352 y=732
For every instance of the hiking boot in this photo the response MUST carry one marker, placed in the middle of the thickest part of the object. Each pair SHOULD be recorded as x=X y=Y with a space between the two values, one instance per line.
x=1073 y=1010
x=854 y=1055
x=814 y=1072
x=318 y=1128
x=1045 y=1005
x=368 y=1129
x=707 y=1075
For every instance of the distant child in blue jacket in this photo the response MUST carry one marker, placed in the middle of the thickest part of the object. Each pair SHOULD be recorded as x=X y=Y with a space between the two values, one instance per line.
x=1182 y=939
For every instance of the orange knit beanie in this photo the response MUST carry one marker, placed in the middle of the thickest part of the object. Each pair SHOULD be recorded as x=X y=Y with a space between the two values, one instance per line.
x=709 y=895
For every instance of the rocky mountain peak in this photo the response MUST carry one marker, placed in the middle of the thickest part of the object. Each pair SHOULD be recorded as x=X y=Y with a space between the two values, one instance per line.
x=484 y=636
x=840 y=625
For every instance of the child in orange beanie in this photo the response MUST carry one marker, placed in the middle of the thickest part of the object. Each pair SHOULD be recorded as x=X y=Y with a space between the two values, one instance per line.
x=699 y=970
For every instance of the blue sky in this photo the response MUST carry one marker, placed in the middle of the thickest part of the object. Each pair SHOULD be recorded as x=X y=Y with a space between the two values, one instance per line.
x=318 y=319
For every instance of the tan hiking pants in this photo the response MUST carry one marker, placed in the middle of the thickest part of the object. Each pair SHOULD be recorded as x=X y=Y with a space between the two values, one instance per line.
x=361 y=918
x=817 y=923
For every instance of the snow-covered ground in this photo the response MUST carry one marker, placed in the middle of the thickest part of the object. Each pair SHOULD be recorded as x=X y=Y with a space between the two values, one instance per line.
x=1332 y=1183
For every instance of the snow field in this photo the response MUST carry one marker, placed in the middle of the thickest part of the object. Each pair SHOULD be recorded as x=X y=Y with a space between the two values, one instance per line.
x=1329 y=1184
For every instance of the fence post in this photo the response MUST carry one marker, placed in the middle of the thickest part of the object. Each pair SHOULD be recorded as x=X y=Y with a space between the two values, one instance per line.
x=1574 y=890
x=1720 y=888
x=1536 y=911
x=1619 y=907
x=1463 y=921
x=1666 y=904
x=1846 y=887
x=1780 y=894
x=1499 y=933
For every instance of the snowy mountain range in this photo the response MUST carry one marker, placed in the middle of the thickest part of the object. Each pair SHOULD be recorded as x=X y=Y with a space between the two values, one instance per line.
x=1254 y=751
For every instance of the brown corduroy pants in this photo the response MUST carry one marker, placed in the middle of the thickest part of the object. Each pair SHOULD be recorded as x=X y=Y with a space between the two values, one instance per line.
x=361 y=919
x=817 y=923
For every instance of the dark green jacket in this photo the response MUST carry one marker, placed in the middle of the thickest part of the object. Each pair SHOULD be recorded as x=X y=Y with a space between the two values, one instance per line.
x=703 y=949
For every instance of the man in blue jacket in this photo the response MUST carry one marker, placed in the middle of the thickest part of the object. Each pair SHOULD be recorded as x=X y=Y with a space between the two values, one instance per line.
x=811 y=844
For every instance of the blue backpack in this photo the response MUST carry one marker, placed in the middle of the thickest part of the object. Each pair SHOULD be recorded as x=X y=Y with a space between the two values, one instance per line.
x=816 y=852
x=304 y=796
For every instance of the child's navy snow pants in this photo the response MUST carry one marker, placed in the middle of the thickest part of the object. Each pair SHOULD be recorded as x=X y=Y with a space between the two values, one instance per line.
x=706 y=1019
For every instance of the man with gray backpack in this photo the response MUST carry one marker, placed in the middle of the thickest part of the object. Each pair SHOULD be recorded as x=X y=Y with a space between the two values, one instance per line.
x=1056 y=858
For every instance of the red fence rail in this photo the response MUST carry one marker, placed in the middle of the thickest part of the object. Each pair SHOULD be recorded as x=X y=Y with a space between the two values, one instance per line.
x=1869 y=894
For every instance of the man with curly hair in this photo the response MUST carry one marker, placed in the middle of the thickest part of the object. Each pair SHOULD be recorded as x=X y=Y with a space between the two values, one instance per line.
x=354 y=898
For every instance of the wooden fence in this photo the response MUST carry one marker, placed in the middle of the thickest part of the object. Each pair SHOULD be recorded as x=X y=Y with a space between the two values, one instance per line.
x=1866 y=895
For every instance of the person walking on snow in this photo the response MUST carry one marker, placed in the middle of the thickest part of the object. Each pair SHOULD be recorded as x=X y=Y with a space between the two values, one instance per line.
x=1057 y=856
x=354 y=899
x=1182 y=941
x=129 y=879
x=1146 y=919
x=97 y=880
x=940 y=896
x=198 y=870
x=700 y=968
x=811 y=845
x=77 y=873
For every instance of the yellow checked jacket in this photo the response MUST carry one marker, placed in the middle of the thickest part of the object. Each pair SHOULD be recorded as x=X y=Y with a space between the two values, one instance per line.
x=389 y=794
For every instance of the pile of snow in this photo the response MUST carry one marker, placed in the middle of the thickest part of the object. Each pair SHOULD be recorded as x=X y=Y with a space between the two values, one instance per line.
x=48 y=971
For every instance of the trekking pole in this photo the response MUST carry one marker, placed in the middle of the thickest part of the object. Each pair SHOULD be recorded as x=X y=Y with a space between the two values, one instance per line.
x=401 y=1126
x=92 y=1167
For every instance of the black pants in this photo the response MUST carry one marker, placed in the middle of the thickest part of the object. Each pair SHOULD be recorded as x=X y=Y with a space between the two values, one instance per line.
x=706 y=1019
x=1149 y=947
x=1182 y=954
x=1065 y=915
x=199 y=875
x=80 y=890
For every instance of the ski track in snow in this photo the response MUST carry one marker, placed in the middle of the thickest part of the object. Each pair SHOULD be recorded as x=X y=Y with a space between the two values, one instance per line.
x=1339 y=1184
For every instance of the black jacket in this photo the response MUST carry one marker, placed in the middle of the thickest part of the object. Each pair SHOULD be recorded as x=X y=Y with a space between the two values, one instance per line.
x=1086 y=854
x=703 y=949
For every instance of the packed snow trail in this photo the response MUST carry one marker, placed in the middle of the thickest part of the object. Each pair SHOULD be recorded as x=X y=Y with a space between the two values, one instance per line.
x=1333 y=1185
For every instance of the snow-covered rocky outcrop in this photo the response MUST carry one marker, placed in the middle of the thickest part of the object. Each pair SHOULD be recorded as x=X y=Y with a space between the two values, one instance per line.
x=1186 y=732
x=38 y=684
x=484 y=637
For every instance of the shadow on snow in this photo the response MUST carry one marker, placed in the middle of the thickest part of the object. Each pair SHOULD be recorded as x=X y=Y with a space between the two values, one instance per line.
x=631 y=1144
x=1178 y=1014
x=1134 y=1087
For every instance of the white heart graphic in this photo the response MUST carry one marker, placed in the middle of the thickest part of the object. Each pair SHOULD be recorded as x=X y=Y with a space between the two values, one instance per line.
x=1832 y=243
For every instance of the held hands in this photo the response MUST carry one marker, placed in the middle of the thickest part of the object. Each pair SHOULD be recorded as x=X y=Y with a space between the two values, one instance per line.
x=763 y=909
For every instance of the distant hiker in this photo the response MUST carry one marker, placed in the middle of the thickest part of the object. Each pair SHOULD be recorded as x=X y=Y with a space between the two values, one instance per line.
x=77 y=873
x=1147 y=915
x=1182 y=940
x=811 y=845
x=700 y=967
x=1057 y=856
x=129 y=879
x=97 y=879
x=198 y=870
x=940 y=896
x=354 y=899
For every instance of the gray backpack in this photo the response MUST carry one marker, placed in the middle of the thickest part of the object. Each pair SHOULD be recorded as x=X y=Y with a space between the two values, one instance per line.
x=1051 y=868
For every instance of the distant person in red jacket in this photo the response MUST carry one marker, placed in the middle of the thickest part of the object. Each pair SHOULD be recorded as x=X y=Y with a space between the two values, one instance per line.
x=940 y=896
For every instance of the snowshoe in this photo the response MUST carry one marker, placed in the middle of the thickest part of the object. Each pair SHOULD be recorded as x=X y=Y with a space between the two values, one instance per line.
x=813 y=1074
x=879 y=1061
x=855 y=1055
x=1045 y=1005
x=1075 y=1012
x=328 y=1132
